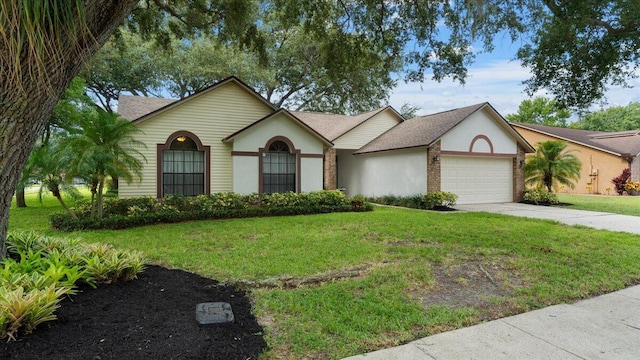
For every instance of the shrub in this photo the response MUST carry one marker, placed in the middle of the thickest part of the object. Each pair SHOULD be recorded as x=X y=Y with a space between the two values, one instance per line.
x=540 y=196
x=632 y=186
x=428 y=201
x=39 y=270
x=126 y=213
x=621 y=180
x=434 y=199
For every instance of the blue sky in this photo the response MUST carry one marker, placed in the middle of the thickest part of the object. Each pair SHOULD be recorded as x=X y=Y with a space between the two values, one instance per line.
x=492 y=77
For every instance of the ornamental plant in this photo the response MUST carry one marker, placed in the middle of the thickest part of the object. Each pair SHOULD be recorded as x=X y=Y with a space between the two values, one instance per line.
x=540 y=196
x=434 y=199
x=621 y=180
x=39 y=270
x=428 y=201
x=552 y=165
x=632 y=186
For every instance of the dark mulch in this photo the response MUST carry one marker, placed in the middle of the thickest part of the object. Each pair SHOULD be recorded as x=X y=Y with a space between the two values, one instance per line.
x=545 y=203
x=152 y=317
x=443 y=208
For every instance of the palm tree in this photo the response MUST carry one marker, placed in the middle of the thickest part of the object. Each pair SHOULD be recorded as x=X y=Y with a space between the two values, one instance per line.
x=47 y=165
x=552 y=165
x=104 y=147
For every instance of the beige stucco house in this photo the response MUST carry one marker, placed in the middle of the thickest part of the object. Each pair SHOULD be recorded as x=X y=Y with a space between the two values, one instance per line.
x=603 y=155
x=229 y=138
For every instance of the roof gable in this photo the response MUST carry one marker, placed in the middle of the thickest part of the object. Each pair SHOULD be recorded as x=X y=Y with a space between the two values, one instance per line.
x=622 y=143
x=425 y=130
x=333 y=126
x=290 y=116
x=138 y=108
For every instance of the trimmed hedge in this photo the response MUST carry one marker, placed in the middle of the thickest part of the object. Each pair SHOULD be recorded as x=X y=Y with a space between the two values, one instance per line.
x=429 y=201
x=127 y=213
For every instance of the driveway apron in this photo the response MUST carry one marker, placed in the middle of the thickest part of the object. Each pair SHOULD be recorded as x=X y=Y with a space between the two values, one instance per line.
x=593 y=219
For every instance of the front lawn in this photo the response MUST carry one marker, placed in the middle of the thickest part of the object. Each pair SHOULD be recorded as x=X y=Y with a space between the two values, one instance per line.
x=378 y=279
x=627 y=205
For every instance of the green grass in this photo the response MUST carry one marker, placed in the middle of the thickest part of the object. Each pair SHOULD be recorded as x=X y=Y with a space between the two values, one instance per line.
x=36 y=215
x=627 y=205
x=543 y=262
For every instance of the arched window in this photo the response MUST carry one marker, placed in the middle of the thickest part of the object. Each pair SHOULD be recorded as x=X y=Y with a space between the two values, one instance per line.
x=278 y=168
x=183 y=168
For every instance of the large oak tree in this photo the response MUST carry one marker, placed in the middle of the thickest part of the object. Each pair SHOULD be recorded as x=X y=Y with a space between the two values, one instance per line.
x=574 y=48
x=44 y=43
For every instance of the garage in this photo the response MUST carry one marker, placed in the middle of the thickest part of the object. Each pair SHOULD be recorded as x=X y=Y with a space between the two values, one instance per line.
x=477 y=179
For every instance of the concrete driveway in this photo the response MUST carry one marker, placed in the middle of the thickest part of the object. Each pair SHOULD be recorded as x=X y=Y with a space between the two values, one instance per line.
x=594 y=219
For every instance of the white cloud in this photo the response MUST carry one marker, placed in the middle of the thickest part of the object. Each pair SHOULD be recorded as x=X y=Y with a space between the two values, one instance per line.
x=497 y=82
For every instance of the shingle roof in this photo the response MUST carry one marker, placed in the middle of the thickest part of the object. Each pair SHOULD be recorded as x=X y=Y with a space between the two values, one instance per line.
x=332 y=126
x=133 y=107
x=140 y=108
x=419 y=131
x=619 y=143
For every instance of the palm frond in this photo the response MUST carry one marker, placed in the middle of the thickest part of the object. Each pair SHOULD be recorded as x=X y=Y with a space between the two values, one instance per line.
x=552 y=165
x=37 y=33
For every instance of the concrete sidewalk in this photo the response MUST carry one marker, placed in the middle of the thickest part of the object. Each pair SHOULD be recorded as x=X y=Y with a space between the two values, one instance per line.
x=604 y=327
x=594 y=219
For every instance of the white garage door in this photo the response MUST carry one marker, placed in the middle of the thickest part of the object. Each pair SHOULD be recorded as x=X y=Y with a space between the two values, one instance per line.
x=477 y=180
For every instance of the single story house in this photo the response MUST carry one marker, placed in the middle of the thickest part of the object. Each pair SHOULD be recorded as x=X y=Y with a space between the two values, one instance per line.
x=604 y=155
x=229 y=138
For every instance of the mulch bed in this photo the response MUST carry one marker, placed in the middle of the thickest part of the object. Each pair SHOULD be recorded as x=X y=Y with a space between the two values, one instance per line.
x=545 y=203
x=152 y=317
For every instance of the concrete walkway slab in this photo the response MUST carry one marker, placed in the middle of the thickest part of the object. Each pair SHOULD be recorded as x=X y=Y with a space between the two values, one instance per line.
x=618 y=307
x=593 y=219
x=586 y=334
x=604 y=327
x=494 y=340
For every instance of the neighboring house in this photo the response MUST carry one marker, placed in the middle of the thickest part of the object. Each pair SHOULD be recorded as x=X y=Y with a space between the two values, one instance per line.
x=229 y=138
x=604 y=155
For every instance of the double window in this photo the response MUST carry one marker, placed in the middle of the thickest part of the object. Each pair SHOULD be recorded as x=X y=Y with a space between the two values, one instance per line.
x=183 y=168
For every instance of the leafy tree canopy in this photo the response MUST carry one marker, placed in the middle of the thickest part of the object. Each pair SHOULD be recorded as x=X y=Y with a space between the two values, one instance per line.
x=615 y=118
x=126 y=63
x=352 y=49
x=577 y=48
x=541 y=111
x=574 y=48
x=294 y=69
x=408 y=111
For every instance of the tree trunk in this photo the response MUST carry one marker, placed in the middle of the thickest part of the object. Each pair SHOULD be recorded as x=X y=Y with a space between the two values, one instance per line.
x=20 y=197
x=26 y=102
x=94 y=190
x=100 y=190
x=58 y=196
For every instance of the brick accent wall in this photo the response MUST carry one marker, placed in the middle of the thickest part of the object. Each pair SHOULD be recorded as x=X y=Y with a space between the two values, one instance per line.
x=433 y=168
x=330 y=171
x=518 y=175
